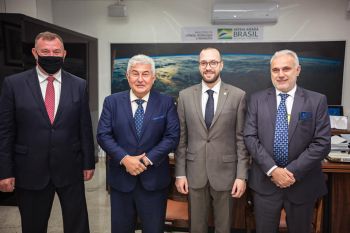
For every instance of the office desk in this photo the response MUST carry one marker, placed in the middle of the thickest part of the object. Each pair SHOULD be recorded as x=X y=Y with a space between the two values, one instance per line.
x=338 y=197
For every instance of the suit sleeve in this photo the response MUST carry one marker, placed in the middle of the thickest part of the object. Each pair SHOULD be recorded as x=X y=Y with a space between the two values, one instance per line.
x=170 y=136
x=251 y=138
x=86 y=134
x=319 y=146
x=105 y=136
x=180 y=155
x=7 y=129
x=243 y=157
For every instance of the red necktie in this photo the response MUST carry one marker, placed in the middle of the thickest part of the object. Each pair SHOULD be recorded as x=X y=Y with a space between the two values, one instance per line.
x=50 y=98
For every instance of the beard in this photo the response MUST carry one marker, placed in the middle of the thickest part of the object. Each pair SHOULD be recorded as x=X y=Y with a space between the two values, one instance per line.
x=211 y=80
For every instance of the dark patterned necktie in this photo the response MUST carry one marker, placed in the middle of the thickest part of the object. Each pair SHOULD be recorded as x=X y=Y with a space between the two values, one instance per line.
x=280 y=145
x=139 y=114
x=50 y=98
x=209 y=109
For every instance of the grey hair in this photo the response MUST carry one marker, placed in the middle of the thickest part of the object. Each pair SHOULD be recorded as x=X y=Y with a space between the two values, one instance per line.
x=141 y=59
x=286 y=52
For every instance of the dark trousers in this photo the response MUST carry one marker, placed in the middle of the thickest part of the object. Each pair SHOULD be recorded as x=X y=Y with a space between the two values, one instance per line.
x=148 y=206
x=268 y=208
x=35 y=208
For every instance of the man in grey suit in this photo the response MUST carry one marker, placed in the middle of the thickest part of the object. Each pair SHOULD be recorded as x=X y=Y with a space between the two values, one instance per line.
x=286 y=173
x=211 y=159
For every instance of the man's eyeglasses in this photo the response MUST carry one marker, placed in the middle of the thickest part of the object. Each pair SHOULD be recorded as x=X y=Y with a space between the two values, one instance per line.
x=212 y=63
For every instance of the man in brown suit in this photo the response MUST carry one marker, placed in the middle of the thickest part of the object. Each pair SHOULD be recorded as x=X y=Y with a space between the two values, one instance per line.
x=211 y=159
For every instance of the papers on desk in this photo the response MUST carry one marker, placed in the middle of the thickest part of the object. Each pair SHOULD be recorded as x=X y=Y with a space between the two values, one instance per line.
x=339 y=149
x=335 y=156
x=339 y=143
x=339 y=122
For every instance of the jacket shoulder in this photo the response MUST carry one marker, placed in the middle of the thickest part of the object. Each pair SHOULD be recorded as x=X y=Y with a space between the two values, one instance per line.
x=262 y=93
x=190 y=89
x=233 y=88
x=73 y=77
x=118 y=95
x=311 y=94
x=21 y=76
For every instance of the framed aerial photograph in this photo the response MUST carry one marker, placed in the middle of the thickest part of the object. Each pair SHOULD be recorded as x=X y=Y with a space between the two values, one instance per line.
x=246 y=65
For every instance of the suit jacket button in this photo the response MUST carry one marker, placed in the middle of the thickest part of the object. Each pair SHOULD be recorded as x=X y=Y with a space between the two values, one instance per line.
x=208 y=140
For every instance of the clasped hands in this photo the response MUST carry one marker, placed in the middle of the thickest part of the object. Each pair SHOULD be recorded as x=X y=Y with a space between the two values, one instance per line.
x=135 y=165
x=7 y=185
x=282 y=177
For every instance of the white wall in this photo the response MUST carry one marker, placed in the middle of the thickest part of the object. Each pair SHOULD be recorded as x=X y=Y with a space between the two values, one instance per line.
x=40 y=9
x=161 y=21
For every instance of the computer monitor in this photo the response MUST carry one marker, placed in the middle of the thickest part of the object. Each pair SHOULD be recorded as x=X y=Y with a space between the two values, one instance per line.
x=335 y=110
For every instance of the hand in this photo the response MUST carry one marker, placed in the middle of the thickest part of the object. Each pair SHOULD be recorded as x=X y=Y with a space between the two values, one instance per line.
x=133 y=164
x=88 y=174
x=7 y=185
x=282 y=177
x=145 y=160
x=181 y=185
x=238 y=189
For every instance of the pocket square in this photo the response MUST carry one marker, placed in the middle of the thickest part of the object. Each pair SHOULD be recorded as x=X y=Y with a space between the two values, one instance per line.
x=158 y=117
x=305 y=116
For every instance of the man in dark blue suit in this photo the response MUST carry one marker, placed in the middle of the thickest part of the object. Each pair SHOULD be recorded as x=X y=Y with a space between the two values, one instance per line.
x=46 y=141
x=287 y=132
x=137 y=129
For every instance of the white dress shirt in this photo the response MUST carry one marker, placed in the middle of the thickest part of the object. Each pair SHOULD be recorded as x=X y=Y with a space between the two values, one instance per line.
x=56 y=85
x=134 y=105
x=289 y=105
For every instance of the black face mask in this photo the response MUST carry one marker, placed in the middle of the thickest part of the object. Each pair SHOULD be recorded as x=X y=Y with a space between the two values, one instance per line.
x=50 y=64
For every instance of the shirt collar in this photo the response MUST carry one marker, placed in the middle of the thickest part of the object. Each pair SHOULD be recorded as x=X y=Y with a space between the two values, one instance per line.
x=42 y=77
x=290 y=93
x=215 y=88
x=133 y=97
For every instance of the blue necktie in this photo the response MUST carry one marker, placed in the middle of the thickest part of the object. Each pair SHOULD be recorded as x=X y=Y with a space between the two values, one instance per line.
x=209 y=109
x=139 y=117
x=280 y=144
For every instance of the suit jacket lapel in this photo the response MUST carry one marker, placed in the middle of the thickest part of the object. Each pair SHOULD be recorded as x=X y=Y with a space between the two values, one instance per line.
x=221 y=101
x=34 y=86
x=197 y=97
x=151 y=105
x=296 y=109
x=127 y=107
x=271 y=106
x=65 y=96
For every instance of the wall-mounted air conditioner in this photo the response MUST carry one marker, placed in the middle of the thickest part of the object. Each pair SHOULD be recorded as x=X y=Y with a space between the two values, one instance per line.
x=245 y=13
x=117 y=9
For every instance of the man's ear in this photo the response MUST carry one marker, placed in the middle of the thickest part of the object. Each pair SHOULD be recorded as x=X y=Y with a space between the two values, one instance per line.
x=35 y=54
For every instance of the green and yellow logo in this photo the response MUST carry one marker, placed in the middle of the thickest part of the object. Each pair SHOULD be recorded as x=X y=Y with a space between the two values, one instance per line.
x=225 y=33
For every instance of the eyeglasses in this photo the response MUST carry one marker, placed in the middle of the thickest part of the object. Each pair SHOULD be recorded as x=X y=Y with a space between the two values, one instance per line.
x=211 y=63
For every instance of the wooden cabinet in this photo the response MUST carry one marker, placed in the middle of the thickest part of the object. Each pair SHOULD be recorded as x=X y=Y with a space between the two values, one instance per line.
x=337 y=213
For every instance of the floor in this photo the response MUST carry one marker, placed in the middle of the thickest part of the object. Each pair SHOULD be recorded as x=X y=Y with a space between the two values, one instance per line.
x=97 y=201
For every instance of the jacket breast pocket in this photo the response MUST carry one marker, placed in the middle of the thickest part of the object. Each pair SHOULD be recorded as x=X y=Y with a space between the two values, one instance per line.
x=190 y=156
x=228 y=158
x=158 y=119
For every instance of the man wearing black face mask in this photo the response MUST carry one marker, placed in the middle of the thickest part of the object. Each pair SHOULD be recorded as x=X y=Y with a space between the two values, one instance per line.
x=46 y=141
